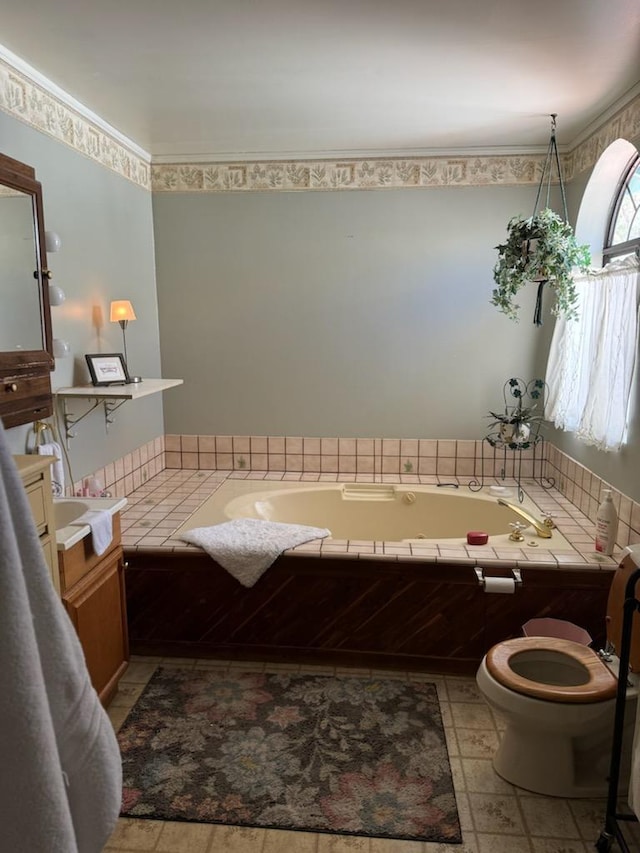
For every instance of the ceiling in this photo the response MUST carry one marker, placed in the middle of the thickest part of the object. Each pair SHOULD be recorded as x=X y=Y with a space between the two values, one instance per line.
x=215 y=79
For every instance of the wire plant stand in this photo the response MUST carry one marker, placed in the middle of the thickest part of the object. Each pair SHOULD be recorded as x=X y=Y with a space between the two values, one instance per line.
x=514 y=446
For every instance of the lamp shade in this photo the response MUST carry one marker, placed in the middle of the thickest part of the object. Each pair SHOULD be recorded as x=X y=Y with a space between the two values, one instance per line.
x=122 y=309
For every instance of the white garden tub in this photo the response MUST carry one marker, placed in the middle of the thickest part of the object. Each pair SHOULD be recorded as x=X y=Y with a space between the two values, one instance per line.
x=372 y=511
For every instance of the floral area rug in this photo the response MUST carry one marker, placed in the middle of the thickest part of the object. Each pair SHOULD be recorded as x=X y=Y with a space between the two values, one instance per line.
x=338 y=754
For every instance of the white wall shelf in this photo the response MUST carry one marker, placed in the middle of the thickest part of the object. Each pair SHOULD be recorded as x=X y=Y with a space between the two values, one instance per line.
x=109 y=396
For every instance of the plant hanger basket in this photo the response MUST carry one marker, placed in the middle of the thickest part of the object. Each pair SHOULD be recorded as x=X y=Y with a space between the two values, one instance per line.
x=540 y=249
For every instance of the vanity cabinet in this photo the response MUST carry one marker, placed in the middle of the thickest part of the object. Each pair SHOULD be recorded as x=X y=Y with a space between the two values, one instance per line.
x=36 y=479
x=91 y=587
x=92 y=590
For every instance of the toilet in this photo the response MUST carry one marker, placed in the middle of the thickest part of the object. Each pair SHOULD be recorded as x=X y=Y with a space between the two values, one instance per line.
x=557 y=698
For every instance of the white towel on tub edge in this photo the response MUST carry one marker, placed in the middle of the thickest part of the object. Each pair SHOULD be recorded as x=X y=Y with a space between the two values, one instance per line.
x=246 y=547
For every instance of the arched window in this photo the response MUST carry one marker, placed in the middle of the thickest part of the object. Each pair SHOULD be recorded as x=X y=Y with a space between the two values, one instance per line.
x=623 y=233
x=592 y=359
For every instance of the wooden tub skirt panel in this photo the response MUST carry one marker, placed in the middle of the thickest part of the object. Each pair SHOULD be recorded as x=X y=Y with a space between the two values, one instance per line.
x=369 y=613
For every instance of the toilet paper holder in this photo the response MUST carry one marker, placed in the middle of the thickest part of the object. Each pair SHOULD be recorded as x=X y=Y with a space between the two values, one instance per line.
x=517 y=577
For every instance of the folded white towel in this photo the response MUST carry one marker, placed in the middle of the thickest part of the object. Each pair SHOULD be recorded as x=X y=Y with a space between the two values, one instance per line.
x=246 y=547
x=101 y=523
x=52 y=448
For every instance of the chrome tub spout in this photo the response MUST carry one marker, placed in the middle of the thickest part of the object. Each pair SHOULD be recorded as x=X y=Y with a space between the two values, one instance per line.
x=540 y=527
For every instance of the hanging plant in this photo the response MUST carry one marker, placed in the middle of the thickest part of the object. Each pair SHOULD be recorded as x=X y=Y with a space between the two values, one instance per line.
x=541 y=248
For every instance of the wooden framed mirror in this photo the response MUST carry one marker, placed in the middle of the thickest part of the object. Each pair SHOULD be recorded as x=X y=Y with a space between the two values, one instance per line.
x=26 y=346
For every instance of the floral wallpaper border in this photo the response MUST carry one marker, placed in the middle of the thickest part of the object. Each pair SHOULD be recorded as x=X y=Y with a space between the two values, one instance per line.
x=383 y=173
x=25 y=100
x=28 y=101
x=392 y=172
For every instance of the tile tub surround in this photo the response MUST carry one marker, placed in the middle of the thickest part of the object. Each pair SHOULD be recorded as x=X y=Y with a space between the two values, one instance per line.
x=195 y=463
x=362 y=456
x=584 y=490
x=161 y=505
x=400 y=460
x=126 y=474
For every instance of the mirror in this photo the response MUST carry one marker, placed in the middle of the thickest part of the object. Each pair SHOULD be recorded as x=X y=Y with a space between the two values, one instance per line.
x=20 y=328
x=26 y=353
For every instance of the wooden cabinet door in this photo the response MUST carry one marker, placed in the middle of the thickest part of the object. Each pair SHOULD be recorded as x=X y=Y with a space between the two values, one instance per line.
x=96 y=606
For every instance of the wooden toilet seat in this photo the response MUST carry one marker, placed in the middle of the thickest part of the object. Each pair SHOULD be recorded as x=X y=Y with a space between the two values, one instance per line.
x=601 y=684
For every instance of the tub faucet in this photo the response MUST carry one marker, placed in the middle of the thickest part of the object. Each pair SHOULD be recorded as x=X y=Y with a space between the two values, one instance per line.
x=543 y=530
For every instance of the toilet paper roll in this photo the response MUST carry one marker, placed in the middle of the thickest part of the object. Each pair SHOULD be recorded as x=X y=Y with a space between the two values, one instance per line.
x=503 y=585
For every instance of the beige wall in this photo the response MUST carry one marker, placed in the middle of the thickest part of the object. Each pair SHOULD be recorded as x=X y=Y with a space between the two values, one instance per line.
x=361 y=313
x=105 y=223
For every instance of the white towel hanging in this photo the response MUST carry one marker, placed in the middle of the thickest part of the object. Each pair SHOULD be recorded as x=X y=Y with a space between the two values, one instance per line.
x=101 y=523
x=52 y=448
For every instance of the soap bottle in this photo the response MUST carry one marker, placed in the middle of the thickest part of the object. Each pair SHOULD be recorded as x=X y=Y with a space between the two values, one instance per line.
x=606 y=524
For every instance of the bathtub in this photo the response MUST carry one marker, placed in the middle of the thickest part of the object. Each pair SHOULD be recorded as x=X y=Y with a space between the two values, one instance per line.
x=414 y=604
x=376 y=511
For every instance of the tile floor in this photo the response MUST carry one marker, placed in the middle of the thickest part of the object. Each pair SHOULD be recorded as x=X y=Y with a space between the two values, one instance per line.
x=495 y=816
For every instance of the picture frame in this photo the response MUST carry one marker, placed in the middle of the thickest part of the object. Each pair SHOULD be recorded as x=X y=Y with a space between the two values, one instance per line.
x=108 y=368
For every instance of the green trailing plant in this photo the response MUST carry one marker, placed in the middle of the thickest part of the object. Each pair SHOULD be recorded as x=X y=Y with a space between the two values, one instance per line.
x=542 y=248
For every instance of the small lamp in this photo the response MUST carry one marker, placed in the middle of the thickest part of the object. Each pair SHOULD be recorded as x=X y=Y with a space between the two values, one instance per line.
x=121 y=312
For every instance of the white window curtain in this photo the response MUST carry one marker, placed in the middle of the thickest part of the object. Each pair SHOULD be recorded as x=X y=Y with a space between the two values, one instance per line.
x=592 y=359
